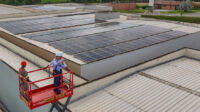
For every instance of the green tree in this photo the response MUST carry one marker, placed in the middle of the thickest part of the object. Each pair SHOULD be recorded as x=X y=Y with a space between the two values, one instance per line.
x=28 y=2
x=185 y=6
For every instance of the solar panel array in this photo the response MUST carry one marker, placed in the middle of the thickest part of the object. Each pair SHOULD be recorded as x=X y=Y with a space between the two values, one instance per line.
x=91 y=42
x=47 y=23
x=99 y=46
x=67 y=33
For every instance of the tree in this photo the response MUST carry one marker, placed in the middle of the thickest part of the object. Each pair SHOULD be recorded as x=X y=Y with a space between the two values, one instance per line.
x=186 y=5
x=28 y=2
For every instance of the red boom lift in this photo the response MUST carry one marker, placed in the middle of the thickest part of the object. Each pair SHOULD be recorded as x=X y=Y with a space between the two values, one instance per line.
x=34 y=98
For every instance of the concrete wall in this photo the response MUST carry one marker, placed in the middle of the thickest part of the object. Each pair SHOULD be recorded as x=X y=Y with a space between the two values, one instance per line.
x=97 y=8
x=106 y=15
x=114 y=64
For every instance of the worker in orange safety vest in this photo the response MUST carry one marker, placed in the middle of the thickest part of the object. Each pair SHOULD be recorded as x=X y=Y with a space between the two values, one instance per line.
x=23 y=73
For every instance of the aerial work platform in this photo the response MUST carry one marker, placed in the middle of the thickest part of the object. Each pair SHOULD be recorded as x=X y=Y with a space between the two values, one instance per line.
x=34 y=98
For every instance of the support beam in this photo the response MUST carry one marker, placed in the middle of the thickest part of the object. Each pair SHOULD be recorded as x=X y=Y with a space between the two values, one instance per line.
x=58 y=108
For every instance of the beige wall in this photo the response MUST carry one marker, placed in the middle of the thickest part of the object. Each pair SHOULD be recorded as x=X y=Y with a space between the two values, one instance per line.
x=142 y=4
x=196 y=4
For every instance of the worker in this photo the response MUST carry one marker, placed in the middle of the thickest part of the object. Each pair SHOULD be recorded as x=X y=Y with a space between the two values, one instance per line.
x=58 y=65
x=23 y=73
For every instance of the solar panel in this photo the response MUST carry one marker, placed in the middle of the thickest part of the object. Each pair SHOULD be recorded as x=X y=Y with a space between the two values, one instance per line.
x=91 y=42
x=37 y=24
x=169 y=35
x=110 y=50
x=146 y=42
x=103 y=45
x=103 y=54
x=79 y=31
x=152 y=39
x=118 y=48
x=84 y=57
x=93 y=55
x=125 y=46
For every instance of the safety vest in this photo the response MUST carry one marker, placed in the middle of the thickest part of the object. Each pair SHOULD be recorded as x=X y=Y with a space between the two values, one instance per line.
x=23 y=73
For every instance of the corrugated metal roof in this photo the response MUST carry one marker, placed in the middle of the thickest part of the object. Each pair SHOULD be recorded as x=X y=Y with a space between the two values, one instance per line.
x=183 y=72
x=190 y=104
x=102 y=101
x=140 y=93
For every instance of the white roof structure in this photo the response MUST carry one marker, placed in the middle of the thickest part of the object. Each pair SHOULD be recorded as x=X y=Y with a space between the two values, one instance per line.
x=157 y=91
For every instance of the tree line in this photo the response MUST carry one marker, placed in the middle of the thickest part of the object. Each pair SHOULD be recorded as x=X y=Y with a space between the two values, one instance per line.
x=30 y=2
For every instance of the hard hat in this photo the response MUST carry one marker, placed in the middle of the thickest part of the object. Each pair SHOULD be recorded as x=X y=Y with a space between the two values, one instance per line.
x=59 y=54
x=23 y=63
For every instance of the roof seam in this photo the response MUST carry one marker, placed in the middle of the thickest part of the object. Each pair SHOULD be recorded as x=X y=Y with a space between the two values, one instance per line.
x=170 y=84
x=124 y=100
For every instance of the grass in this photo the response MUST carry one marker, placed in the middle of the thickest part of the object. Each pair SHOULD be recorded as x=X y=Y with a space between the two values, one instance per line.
x=130 y=11
x=175 y=18
x=196 y=9
x=178 y=12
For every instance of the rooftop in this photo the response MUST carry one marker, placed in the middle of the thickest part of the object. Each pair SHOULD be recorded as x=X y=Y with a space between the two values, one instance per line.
x=102 y=53
x=158 y=89
x=88 y=43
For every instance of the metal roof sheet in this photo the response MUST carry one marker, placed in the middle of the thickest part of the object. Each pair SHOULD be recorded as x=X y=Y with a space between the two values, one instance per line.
x=143 y=94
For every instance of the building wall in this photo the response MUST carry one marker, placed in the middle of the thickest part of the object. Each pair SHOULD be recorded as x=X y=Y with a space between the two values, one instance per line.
x=123 y=6
x=196 y=4
x=142 y=4
x=166 y=5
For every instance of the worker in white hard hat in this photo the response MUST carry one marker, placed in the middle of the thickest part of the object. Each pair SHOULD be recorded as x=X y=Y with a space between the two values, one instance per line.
x=58 y=65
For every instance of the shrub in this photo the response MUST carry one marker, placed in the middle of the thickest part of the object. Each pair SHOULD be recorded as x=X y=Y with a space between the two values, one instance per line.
x=143 y=7
x=130 y=11
x=175 y=18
